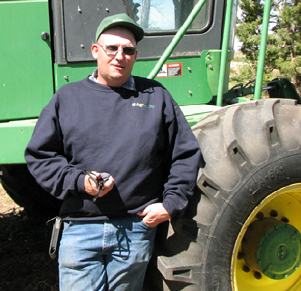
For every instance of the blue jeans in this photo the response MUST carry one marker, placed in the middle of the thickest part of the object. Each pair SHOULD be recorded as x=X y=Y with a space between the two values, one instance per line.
x=105 y=255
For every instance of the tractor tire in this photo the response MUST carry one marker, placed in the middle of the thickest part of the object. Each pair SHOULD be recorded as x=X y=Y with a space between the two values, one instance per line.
x=23 y=189
x=241 y=231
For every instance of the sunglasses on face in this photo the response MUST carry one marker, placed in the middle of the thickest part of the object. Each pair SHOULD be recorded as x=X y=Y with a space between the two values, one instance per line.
x=112 y=50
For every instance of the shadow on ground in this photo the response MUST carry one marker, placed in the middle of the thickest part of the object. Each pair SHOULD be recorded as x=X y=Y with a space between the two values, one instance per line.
x=24 y=261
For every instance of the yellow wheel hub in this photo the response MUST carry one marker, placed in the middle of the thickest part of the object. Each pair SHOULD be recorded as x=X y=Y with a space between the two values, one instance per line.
x=267 y=252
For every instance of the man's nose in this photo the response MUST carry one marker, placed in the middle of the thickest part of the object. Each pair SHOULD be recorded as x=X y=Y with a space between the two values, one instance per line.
x=120 y=55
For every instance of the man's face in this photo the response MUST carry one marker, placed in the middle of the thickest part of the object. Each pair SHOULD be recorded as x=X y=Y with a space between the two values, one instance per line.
x=115 y=70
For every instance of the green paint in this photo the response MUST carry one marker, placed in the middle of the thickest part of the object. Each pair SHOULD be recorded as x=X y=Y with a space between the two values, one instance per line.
x=26 y=82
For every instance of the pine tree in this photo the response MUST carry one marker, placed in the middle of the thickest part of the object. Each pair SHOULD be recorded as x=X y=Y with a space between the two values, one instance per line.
x=283 y=55
x=287 y=30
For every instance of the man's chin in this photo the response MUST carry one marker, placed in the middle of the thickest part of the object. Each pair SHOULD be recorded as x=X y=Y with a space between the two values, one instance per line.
x=118 y=80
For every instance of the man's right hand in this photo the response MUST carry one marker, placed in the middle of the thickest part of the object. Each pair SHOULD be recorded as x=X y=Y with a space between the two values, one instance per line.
x=91 y=188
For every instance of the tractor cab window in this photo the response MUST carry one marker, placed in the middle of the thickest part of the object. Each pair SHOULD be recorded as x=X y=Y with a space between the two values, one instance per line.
x=157 y=16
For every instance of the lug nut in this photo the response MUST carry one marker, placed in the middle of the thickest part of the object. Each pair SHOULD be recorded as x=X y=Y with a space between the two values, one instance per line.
x=274 y=213
x=257 y=275
x=285 y=220
x=240 y=255
x=260 y=215
x=246 y=269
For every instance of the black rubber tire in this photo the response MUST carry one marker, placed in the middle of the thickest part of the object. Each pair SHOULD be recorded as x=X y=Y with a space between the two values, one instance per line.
x=23 y=189
x=249 y=151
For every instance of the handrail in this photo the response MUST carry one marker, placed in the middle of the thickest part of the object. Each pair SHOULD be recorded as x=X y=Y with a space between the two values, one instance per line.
x=262 y=50
x=224 y=53
x=178 y=36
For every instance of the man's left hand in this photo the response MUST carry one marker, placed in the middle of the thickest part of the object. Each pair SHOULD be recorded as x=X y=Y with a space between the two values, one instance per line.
x=154 y=214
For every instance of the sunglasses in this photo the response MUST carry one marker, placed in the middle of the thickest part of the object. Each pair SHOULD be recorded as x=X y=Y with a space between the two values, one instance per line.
x=112 y=50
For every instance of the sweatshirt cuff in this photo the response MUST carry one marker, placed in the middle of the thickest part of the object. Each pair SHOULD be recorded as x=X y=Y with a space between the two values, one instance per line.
x=174 y=206
x=81 y=183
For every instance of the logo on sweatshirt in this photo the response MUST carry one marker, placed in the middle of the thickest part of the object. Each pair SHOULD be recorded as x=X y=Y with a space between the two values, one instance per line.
x=143 y=105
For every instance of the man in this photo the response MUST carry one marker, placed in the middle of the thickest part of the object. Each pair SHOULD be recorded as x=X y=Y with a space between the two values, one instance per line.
x=130 y=127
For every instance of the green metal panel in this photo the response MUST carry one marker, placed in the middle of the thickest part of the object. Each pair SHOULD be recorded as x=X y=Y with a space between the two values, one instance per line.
x=14 y=137
x=65 y=74
x=26 y=79
x=190 y=87
x=213 y=64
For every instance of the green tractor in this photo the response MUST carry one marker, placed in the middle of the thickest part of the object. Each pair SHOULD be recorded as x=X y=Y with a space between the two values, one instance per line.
x=241 y=230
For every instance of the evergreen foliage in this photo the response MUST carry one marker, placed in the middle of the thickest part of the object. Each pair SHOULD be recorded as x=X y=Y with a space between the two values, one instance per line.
x=283 y=55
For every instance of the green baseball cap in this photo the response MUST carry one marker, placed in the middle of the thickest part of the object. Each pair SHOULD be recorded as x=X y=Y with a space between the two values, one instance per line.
x=120 y=20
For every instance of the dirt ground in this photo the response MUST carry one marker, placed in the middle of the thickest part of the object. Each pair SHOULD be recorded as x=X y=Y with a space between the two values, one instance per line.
x=24 y=261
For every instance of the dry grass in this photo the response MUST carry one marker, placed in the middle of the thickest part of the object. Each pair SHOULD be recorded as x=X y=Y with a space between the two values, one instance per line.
x=7 y=205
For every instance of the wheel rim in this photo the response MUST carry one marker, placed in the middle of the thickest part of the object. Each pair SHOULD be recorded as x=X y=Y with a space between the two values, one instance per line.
x=267 y=252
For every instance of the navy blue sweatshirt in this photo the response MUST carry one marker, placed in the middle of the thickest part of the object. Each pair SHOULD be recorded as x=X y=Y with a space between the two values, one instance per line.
x=139 y=137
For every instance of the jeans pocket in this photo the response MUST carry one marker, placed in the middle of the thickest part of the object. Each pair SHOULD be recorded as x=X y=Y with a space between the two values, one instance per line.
x=146 y=226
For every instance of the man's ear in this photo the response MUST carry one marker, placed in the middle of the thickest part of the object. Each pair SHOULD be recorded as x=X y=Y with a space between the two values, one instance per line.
x=95 y=50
